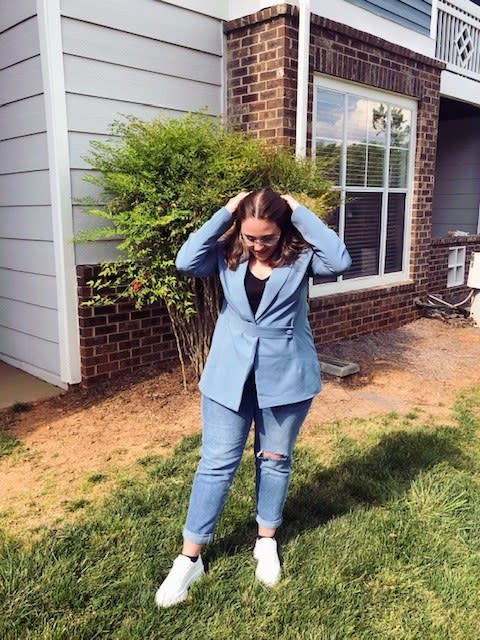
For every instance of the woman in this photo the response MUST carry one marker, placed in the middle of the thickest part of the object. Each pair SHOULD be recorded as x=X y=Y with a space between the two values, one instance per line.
x=262 y=366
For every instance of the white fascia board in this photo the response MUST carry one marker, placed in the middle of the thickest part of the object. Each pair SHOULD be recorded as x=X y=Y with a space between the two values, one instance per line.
x=460 y=88
x=223 y=9
x=240 y=8
x=212 y=8
x=51 y=52
x=351 y=15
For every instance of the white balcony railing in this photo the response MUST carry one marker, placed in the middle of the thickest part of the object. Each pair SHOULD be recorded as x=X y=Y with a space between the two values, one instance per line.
x=458 y=36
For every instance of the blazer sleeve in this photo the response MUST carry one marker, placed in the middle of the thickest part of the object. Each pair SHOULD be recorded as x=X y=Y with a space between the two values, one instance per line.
x=198 y=255
x=330 y=255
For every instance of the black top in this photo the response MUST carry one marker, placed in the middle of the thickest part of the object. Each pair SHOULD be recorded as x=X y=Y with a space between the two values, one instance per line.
x=254 y=288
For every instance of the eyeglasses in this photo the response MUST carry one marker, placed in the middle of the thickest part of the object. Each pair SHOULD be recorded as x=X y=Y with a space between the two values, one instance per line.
x=264 y=241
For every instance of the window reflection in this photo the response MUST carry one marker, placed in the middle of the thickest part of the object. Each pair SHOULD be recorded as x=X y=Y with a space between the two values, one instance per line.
x=330 y=115
x=367 y=143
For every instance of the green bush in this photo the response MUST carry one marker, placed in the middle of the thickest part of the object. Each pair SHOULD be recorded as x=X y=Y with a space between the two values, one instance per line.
x=160 y=181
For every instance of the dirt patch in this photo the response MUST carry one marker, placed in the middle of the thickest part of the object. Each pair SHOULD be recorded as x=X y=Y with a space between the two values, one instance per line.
x=77 y=445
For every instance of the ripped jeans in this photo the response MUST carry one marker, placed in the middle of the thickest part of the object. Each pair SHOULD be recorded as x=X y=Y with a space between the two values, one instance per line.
x=224 y=434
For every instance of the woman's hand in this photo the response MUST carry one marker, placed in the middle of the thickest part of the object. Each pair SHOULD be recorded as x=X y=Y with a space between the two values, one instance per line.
x=292 y=203
x=233 y=203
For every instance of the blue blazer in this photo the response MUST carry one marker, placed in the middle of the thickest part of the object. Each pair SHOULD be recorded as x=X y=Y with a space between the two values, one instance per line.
x=277 y=341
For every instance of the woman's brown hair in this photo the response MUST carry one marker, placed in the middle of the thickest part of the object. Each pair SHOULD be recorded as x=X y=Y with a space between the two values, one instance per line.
x=264 y=204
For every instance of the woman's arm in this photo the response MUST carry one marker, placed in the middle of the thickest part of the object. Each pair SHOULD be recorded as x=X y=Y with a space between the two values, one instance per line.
x=330 y=256
x=198 y=255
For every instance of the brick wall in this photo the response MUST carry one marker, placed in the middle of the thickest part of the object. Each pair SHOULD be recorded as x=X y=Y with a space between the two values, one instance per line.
x=262 y=73
x=261 y=89
x=336 y=317
x=120 y=338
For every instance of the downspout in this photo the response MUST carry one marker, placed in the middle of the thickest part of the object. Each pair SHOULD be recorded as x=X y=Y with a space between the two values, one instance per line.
x=302 y=78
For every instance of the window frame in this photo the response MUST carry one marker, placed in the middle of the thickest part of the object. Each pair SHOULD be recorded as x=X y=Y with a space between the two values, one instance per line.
x=457 y=257
x=357 y=90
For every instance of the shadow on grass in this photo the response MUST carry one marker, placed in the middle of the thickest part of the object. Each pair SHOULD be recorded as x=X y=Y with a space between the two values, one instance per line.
x=359 y=479
x=101 y=572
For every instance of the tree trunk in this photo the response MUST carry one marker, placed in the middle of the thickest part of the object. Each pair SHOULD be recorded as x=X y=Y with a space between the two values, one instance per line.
x=193 y=335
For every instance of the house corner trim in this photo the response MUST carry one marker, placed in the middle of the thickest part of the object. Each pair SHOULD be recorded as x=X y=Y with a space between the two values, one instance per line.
x=51 y=52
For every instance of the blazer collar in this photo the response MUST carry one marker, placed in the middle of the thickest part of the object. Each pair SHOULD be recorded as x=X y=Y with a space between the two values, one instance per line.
x=238 y=295
x=273 y=285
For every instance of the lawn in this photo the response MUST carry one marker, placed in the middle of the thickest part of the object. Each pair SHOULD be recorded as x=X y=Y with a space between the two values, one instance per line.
x=381 y=542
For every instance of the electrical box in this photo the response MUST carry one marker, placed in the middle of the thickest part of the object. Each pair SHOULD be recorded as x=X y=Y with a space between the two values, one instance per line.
x=474 y=271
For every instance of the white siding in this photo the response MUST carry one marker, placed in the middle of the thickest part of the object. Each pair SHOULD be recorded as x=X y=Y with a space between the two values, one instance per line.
x=104 y=80
x=22 y=118
x=158 y=60
x=80 y=148
x=28 y=315
x=29 y=256
x=35 y=354
x=13 y=12
x=20 y=189
x=21 y=80
x=27 y=153
x=456 y=197
x=31 y=288
x=91 y=253
x=93 y=115
x=27 y=223
x=28 y=319
x=82 y=189
x=150 y=18
x=19 y=43
x=126 y=49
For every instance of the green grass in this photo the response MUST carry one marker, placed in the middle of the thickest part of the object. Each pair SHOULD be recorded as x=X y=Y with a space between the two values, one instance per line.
x=8 y=442
x=383 y=543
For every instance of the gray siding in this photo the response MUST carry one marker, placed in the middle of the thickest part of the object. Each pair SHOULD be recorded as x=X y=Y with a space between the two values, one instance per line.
x=413 y=14
x=158 y=59
x=12 y=13
x=28 y=305
x=456 y=197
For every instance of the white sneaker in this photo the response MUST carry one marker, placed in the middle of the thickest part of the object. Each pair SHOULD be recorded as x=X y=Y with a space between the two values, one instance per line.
x=174 y=588
x=268 y=568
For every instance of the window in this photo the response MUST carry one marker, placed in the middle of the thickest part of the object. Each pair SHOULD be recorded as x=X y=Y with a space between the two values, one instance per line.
x=456 y=266
x=367 y=139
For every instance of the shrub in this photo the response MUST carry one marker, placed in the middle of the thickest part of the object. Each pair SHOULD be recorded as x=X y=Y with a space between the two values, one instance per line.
x=160 y=181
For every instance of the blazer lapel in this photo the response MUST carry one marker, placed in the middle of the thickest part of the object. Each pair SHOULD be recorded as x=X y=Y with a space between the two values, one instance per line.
x=237 y=295
x=274 y=284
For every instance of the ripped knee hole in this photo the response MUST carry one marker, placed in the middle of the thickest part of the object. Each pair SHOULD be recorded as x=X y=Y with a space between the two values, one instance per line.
x=269 y=455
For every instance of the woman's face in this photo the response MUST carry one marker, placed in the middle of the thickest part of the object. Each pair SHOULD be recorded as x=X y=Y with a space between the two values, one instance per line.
x=260 y=237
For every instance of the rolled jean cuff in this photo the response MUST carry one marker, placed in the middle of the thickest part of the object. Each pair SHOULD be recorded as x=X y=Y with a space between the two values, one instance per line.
x=268 y=524
x=197 y=538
